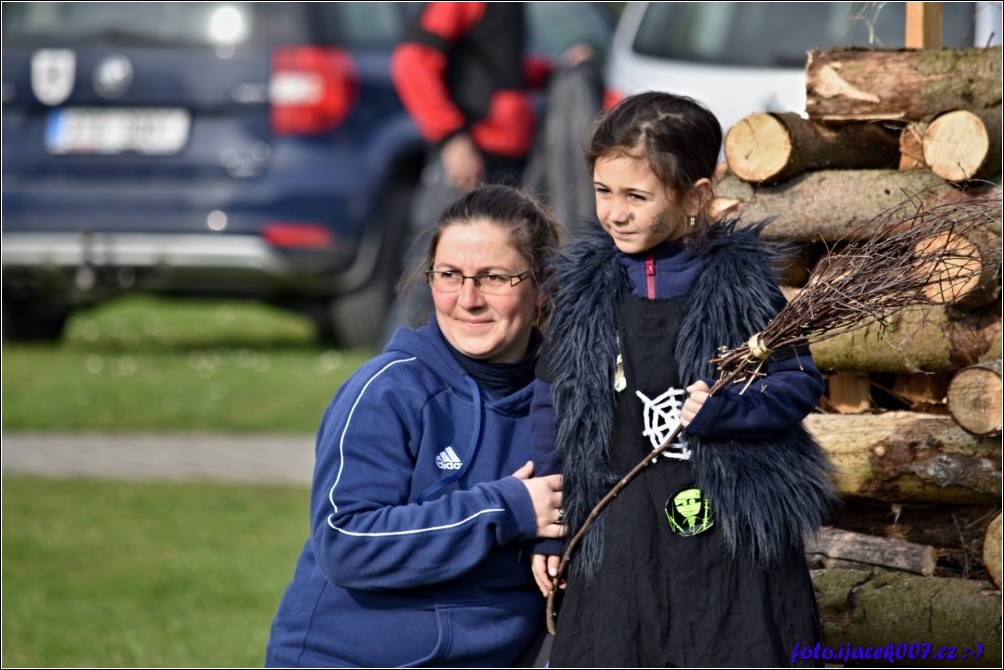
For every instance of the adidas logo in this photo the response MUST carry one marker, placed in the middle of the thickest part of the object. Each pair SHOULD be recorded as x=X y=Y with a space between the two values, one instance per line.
x=448 y=460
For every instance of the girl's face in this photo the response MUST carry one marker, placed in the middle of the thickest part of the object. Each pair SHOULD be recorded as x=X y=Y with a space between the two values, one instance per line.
x=494 y=326
x=633 y=205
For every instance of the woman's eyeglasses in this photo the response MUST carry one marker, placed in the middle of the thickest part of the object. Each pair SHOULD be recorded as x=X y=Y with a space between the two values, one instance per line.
x=449 y=281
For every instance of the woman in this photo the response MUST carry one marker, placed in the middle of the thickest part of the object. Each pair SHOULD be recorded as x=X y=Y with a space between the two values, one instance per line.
x=423 y=500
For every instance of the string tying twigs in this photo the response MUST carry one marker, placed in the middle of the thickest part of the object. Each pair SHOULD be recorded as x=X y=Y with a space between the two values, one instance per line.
x=909 y=255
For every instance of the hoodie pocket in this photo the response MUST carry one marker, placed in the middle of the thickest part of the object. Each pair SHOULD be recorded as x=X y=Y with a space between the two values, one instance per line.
x=485 y=634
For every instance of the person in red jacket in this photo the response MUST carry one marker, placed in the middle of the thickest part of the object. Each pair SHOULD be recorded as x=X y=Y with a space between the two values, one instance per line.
x=464 y=75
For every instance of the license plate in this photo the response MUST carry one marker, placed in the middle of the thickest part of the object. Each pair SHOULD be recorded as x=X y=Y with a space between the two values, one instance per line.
x=111 y=131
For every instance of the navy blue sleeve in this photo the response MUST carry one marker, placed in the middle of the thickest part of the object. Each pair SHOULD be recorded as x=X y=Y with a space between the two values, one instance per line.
x=546 y=460
x=790 y=390
x=545 y=457
x=367 y=532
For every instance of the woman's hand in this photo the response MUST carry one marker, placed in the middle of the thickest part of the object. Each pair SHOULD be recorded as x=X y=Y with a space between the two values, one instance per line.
x=545 y=493
x=545 y=572
x=698 y=394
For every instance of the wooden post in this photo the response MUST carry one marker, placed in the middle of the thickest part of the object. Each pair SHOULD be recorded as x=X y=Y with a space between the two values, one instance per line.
x=923 y=29
x=923 y=25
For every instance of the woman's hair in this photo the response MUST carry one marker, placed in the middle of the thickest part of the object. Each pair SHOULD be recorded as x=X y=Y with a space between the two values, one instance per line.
x=533 y=230
x=678 y=136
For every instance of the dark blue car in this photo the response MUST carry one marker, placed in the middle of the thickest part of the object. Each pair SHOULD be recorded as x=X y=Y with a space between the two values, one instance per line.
x=214 y=149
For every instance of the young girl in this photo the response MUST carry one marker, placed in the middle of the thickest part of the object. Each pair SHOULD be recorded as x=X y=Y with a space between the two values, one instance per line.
x=699 y=561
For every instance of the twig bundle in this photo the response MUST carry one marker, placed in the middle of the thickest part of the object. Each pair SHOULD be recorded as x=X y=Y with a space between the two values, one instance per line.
x=909 y=255
x=910 y=258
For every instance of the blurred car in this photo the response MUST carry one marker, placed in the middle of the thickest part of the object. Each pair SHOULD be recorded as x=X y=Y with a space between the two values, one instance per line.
x=746 y=57
x=214 y=149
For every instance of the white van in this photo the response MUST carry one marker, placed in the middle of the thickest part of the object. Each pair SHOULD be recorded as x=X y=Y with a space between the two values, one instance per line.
x=745 y=57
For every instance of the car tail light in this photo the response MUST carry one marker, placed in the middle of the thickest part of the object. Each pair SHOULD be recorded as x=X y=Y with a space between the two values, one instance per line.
x=312 y=89
x=298 y=235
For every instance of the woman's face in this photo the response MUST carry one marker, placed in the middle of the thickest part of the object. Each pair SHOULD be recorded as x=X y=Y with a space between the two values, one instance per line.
x=492 y=327
x=633 y=205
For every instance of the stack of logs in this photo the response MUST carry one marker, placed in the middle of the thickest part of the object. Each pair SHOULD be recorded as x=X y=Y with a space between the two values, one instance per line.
x=912 y=416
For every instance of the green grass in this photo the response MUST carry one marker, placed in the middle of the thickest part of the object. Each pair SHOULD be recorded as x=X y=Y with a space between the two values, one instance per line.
x=119 y=574
x=115 y=574
x=141 y=363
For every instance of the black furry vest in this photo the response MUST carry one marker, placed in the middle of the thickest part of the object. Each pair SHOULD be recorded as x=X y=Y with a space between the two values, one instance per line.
x=769 y=493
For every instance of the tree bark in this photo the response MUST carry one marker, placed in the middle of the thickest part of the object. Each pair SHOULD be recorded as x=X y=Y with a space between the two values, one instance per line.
x=876 y=608
x=923 y=339
x=961 y=145
x=871 y=550
x=770 y=148
x=818 y=207
x=908 y=457
x=974 y=398
x=900 y=84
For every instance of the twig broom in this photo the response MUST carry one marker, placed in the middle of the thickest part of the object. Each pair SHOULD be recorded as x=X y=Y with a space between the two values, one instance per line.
x=909 y=255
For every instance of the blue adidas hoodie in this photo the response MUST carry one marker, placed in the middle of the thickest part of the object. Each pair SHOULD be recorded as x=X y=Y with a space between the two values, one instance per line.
x=417 y=553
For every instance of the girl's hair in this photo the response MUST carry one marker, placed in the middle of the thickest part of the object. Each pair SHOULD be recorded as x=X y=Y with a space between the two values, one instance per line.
x=678 y=136
x=533 y=230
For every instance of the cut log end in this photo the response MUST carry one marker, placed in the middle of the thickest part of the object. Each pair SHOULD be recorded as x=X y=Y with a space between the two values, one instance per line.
x=974 y=399
x=956 y=146
x=955 y=268
x=758 y=148
x=992 y=550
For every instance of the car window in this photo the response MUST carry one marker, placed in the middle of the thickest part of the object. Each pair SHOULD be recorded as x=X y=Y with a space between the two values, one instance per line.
x=735 y=33
x=555 y=26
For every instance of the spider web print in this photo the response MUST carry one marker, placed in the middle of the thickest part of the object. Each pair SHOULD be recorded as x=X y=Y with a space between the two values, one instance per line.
x=662 y=416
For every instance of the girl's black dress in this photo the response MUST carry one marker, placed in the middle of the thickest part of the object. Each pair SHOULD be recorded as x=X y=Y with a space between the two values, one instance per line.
x=664 y=597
